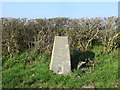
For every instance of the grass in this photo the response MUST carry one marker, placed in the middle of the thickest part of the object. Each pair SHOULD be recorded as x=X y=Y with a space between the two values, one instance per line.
x=29 y=70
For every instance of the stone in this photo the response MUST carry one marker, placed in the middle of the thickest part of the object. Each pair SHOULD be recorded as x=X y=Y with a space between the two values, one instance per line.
x=60 y=59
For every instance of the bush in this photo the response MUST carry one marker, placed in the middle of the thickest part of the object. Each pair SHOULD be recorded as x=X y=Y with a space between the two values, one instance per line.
x=38 y=34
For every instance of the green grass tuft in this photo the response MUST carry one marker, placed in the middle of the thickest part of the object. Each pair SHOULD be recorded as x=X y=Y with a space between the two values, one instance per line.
x=29 y=70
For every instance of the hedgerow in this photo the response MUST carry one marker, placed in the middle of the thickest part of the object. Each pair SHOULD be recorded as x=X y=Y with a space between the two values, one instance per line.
x=19 y=34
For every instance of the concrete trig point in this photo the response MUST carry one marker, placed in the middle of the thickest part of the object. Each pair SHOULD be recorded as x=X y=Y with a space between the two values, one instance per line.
x=60 y=59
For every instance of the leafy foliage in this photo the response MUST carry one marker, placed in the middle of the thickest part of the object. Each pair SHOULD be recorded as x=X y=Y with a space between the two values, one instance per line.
x=27 y=46
x=21 y=71
x=38 y=34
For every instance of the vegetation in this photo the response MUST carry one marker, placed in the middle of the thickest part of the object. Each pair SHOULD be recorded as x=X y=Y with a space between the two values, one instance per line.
x=27 y=47
x=23 y=34
x=29 y=70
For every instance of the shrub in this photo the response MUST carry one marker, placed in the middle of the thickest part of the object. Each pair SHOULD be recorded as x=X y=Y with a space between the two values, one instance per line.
x=38 y=34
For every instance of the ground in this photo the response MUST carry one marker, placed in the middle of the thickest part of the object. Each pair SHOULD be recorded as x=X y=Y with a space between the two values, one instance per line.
x=30 y=70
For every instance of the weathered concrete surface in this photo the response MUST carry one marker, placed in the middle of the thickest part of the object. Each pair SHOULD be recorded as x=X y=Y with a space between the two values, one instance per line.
x=60 y=59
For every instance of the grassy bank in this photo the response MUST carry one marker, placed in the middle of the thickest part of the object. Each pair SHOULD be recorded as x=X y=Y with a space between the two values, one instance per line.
x=30 y=70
